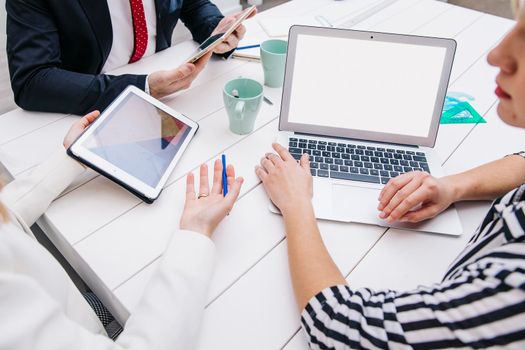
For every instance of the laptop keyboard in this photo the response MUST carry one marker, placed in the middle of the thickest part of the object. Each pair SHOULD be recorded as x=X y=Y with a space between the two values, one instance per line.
x=347 y=161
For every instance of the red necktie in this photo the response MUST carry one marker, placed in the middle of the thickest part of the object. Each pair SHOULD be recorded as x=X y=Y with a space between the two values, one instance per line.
x=139 y=29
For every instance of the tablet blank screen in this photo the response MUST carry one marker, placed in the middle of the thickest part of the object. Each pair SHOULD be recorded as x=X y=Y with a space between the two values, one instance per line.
x=139 y=138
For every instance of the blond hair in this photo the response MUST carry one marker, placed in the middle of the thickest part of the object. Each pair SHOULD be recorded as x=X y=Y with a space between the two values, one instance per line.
x=3 y=211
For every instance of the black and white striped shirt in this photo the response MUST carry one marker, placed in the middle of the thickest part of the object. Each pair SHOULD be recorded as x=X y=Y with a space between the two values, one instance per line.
x=479 y=304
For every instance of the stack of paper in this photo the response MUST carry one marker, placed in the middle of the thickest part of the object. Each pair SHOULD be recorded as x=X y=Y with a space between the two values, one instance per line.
x=249 y=54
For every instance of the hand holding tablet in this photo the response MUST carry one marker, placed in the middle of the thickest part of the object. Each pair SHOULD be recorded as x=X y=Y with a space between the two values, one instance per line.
x=136 y=143
x=79 y=127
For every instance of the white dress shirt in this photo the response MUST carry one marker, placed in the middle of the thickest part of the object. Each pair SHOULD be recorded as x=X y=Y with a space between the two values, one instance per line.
x=42 y=309
x=123 y=34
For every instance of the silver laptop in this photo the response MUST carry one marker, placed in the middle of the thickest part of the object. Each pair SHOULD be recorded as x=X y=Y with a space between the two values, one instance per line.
x=366 y=107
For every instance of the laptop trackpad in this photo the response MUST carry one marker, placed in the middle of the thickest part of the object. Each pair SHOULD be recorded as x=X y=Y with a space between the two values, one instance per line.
x=359 y=204
x=356 y=203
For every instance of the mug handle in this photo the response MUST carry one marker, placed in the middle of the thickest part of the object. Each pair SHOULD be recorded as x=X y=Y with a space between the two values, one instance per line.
x=239 y=110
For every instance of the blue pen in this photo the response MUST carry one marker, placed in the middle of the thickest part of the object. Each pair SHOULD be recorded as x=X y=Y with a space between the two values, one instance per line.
x=224 y=177
x=247 y=47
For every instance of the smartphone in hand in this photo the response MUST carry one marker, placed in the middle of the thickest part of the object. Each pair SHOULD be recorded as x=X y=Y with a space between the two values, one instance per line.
x=214 y=40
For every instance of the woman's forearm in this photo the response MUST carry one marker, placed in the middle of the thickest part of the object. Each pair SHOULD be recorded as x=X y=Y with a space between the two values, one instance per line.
x=311 y=267
x=490 y=180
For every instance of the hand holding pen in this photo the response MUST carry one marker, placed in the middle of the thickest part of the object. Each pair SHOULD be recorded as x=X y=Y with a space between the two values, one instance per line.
x=205 y=209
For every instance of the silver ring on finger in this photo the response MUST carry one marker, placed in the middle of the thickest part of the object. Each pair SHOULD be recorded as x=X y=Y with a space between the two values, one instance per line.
x=202 y=195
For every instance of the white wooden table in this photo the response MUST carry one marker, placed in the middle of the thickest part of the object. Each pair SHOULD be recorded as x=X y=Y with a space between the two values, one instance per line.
x=114 y=240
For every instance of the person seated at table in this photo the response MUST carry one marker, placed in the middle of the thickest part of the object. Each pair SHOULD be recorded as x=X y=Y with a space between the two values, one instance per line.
x=480 y=303
x=41 y=307
x=59 y=52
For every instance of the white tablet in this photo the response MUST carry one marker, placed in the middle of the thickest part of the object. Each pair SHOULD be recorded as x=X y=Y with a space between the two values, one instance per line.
x=136 y=142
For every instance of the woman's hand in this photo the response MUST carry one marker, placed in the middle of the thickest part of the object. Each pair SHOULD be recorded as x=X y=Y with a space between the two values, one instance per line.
x=286 y=182
x=428 y=195
x=233 y=39
x=78 y=128
x=204 y=212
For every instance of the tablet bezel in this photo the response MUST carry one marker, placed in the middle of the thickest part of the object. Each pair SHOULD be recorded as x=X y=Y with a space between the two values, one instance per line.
x=113 y=172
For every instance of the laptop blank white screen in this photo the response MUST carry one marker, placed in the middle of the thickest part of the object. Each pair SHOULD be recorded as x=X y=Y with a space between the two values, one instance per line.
x=365 y=84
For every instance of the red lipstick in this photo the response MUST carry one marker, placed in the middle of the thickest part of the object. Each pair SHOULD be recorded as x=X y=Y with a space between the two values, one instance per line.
x=501 y=93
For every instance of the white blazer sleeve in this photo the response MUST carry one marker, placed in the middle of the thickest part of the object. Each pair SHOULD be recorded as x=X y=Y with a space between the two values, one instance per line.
x=170 y=312
x=29 y=195
x=168 y=315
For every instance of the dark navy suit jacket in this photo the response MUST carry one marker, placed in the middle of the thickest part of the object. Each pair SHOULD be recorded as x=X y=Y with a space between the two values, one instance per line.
x=57 y=48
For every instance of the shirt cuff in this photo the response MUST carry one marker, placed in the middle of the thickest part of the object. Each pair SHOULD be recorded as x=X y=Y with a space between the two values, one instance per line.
x=146 y=85
x=316 y=303
x=521 y=154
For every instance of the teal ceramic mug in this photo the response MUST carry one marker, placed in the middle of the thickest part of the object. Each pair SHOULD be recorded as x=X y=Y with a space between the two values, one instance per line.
x=273 y=59
x=242 y=99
